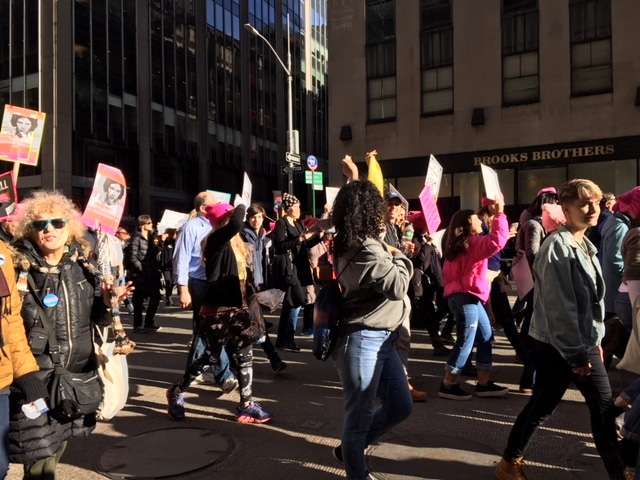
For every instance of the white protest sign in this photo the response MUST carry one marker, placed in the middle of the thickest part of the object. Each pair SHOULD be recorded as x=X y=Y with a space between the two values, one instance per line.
x=246 y=189
x=331 y=194
x=491 y=184
x=434 y=175
x=172 y=219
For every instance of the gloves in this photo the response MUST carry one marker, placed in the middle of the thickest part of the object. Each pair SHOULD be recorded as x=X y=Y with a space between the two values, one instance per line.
x=32 y=387
x=66 y=411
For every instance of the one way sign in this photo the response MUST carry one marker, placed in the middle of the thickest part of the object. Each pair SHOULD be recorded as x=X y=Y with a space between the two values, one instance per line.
x=294 y=168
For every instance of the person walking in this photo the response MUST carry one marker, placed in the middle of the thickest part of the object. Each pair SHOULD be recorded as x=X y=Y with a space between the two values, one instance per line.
x=467 y=288
x=566 y=329
x=374 y=278
x=191 y=278
x=256 y=245
x=166 y=247
x=291 y=241
x=224 y=301
x=144 y=272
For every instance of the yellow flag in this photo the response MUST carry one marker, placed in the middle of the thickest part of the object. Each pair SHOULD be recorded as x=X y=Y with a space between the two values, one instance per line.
x=375 y=173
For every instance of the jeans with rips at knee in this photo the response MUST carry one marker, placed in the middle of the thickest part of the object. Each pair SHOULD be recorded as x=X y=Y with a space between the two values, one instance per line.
x=472 y=328
x=369 y=367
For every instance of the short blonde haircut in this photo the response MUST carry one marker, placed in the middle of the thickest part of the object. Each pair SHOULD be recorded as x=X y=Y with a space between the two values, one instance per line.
x=43 y=202
x=578 y=189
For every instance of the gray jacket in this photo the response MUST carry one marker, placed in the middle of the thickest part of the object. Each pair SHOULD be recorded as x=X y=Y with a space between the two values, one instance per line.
x=374 y=284
x=567 y=308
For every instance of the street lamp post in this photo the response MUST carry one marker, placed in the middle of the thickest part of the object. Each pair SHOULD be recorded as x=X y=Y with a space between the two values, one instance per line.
x=293 y=153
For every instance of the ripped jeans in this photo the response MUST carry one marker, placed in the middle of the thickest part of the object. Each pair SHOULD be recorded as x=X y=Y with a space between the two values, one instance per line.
x=473 y=328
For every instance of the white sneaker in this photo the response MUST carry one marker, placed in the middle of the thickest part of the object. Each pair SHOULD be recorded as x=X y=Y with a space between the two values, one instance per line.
x=205 y=378
x=229 y=385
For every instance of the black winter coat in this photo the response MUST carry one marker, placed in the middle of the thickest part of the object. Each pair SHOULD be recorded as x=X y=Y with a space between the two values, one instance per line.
x=223 y=288
x=76 y=283
x=287 y=238
x=142 y=264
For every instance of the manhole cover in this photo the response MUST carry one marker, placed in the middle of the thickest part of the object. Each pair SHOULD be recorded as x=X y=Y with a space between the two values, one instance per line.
x=164 y=453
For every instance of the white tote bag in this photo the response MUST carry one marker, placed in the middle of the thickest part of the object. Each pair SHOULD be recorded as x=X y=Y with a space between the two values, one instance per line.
x=114 y=374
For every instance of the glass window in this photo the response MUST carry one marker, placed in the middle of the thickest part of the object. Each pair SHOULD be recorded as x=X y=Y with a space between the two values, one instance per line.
x=381 y=59
x=617 y=176
x=437 y=56
x=520 y=44
x=591 y=67
x=531 y=181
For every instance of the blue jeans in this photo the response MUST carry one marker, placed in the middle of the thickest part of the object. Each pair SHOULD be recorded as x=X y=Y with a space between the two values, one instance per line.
x=369 y=367
x=4 y=433
x=221 y=371
x=624 y=310
x=553 y=376
x=472 y=328
x=288 y=323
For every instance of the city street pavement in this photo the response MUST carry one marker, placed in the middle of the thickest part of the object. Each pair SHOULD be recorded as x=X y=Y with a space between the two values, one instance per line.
x=443 y=439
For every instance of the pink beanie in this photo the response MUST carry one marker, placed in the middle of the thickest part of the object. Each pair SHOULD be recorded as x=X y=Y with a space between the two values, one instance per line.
x=629 y=203
x=552 y=217
x=547 y=190
x=215 y=213
x=486 y=202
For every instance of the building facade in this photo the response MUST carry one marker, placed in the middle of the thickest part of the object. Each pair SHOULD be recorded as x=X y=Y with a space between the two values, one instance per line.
x=175 y=93
x=540 y=90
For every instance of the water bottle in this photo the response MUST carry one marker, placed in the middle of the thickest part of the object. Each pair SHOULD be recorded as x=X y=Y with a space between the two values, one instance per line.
x=407 y=239
x=407 y=234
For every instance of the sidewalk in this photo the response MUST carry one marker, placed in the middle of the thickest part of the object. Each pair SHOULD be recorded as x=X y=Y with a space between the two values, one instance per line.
x=442 y=440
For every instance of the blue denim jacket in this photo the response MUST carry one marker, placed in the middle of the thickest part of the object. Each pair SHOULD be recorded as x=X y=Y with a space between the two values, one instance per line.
x=568 y=306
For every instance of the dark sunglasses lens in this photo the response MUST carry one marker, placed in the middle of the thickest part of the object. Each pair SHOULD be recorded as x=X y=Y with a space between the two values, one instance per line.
x=58 y=223
x=40 y=225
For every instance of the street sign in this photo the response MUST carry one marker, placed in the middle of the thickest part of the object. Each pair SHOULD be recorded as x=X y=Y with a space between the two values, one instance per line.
x=295 y=168
x=317 y=181
x=308 y=177
x=293 y=158
x=312 y=163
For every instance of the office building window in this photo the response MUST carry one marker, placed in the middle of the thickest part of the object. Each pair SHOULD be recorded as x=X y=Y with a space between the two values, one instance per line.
x=520 y=45
x=590 y=23
x=381 y=60
x=436 y=56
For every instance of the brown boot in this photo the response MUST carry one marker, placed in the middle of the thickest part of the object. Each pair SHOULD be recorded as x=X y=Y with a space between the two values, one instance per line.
x=510 y=470
x=417 y=395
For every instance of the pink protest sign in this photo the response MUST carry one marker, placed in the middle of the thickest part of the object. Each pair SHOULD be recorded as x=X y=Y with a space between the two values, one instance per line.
x=430 y=209
x=21 y=135
x=104 y=209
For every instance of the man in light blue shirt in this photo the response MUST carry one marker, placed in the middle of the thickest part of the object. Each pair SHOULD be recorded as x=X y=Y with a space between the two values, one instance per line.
x=191 y=279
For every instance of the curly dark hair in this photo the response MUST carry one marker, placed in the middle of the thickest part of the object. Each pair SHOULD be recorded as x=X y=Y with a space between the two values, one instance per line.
x=358 y=211
x=458 y=234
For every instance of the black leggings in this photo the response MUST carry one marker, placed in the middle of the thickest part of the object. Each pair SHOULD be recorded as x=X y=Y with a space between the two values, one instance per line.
x=216 y=336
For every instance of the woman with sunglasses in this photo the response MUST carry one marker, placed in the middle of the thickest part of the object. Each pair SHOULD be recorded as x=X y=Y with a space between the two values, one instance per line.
x=63 y=296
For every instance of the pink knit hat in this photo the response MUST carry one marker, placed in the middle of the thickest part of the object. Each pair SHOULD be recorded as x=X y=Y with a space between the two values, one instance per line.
x=547 y=190
x=486 y=201
x=629 y=203
x=215 y=213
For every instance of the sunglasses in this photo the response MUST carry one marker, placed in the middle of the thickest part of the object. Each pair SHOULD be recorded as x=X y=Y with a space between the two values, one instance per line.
x=122 y=233
x=57 y=223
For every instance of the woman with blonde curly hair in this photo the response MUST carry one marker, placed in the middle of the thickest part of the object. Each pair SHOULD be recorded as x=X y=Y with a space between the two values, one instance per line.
x=62 y=296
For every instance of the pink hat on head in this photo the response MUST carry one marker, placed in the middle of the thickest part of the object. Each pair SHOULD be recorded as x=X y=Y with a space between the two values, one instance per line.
x=215 y=213
x=547 y=190
x=486 y=201
x=629 y=203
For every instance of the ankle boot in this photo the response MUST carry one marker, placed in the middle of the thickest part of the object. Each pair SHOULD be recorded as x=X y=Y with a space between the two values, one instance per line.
x=510 y=470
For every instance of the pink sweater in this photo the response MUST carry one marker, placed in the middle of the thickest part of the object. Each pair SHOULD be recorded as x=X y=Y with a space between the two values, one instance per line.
x=468 y=272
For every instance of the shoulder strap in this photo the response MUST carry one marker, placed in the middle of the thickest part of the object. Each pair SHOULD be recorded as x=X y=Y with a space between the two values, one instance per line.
x=54 y=349
x=349 y=261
